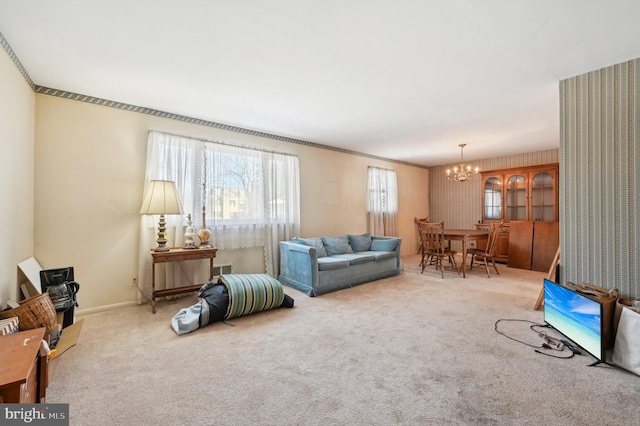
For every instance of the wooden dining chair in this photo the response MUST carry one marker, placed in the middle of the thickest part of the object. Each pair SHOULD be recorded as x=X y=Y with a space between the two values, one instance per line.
x=489 y=251
x=425 y=259
x=416 y=221
x=435 y=247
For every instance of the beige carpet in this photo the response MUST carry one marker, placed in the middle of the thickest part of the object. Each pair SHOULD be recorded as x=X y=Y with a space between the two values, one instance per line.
x=414 y=349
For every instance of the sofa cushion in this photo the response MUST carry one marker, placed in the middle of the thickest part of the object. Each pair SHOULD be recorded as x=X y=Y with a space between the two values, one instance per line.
x=356 y=258
x=383 y=245
x=312 y=242
x=360 y=242
x=329 y=262
x=337 y=245
x=380 y=255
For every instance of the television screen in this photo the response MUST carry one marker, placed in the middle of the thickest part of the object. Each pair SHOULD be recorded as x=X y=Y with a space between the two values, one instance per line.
x=576 y=316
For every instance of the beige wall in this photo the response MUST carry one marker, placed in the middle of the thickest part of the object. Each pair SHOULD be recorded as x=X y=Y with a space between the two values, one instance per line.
x=89 y=171
x=17 y=103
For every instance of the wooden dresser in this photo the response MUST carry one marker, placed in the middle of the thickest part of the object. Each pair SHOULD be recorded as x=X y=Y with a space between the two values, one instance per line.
x=23 y=372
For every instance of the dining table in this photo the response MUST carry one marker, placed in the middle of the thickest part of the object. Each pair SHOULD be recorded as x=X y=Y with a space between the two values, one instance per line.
x=465 y=235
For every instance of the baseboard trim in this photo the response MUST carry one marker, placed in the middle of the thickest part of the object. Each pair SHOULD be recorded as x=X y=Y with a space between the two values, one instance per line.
x=81 y=312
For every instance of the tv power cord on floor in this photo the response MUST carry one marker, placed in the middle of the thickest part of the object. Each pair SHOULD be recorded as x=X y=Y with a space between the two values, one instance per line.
x=550 y=343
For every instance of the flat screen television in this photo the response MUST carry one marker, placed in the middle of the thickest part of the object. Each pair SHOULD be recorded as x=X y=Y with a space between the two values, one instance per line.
x=577 y=317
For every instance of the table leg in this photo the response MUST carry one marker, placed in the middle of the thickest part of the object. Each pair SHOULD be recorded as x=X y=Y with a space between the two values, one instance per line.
x=153 y=288
x=464 y=258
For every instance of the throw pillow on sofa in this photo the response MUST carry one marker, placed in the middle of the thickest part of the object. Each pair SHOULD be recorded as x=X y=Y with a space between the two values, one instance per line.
x=383 y=245
x=312 y=242
x=360 y=242
x=337 y=245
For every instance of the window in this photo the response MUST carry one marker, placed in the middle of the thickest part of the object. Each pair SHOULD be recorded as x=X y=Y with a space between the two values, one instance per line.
x=250 y=196
x=382 y=201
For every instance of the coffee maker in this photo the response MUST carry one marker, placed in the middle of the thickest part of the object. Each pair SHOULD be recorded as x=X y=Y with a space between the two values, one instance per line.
x=62 y=289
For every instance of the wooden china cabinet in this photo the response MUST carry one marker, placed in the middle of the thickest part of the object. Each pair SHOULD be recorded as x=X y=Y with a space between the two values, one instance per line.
x=526 y=200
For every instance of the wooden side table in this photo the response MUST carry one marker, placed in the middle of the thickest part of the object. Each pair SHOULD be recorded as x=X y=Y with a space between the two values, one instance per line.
x=23 y=372
x=178 y=254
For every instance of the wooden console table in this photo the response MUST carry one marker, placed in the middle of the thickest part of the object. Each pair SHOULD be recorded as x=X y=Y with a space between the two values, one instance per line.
x=178 y=254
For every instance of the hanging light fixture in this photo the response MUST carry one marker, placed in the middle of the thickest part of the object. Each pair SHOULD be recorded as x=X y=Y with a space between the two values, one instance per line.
x=463 y=172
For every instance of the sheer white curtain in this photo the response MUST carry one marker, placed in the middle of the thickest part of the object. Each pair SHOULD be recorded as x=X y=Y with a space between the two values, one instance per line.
x=251 y=198
x=382 y=201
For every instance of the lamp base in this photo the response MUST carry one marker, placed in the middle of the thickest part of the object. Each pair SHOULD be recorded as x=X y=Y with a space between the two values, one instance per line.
x=162 y=235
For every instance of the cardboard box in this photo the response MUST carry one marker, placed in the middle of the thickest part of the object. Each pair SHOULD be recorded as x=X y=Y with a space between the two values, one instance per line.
x=68 y=339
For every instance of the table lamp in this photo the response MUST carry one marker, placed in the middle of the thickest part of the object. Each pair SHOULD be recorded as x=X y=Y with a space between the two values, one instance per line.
x=161 y=198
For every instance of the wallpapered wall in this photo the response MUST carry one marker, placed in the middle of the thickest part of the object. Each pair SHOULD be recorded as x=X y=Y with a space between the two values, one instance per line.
x=459 y=204
x=599 y=178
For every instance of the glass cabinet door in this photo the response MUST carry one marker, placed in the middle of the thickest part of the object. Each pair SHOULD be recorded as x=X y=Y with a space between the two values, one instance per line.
x=528 y=193
x=492 y=199
x=516 y=198
x=542 y=198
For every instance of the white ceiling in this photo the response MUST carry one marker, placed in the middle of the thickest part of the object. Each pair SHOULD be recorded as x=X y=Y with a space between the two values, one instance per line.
x=407 y=80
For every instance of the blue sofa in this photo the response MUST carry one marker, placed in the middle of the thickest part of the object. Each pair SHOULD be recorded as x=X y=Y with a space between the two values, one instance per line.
x=321 y=265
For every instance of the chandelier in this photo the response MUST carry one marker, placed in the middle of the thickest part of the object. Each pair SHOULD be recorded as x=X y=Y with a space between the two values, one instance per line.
x=463 y=172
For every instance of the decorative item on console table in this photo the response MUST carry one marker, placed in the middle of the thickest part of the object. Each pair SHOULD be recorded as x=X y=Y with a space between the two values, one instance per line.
x=189 y=235
x=203 y=233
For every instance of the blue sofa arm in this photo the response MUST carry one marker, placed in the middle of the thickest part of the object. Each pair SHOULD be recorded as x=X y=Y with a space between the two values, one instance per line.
x=298 y=266
x=396 y=249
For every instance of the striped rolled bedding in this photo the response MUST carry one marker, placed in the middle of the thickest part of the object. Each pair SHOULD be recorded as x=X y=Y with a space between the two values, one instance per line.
x=232 y=296
x=249 y=293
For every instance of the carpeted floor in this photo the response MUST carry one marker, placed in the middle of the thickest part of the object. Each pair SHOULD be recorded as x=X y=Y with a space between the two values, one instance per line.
x=409 y=350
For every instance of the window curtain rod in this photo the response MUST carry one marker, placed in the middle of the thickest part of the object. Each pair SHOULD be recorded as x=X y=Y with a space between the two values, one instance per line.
x=206 y=140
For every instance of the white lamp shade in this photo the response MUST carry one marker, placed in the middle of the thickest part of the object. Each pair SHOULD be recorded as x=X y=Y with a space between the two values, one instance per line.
x=161 y=198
